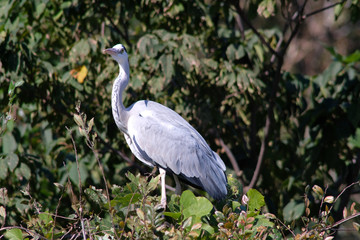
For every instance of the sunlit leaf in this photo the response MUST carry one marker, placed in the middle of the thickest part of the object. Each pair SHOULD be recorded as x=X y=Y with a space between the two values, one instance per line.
x=256 y=200
x=79 y=73
x=126 y=200
x=194 y=206
x=14 y=234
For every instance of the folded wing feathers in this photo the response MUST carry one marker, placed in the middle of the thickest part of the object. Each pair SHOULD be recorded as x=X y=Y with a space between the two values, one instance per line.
x=181 y=149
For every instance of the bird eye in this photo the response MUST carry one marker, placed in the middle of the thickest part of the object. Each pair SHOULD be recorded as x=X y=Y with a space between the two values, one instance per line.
x=122 y=51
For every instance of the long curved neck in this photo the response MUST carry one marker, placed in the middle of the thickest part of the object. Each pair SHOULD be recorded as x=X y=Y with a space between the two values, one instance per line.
x=118 y=110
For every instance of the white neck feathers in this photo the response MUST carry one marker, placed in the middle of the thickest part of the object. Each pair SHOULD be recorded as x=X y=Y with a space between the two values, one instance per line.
x=118 y=110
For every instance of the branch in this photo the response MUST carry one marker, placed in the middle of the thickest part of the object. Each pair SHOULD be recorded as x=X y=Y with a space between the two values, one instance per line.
x=116 y=28
x=230 y=156
x=323 y=9
x=347 y=187
x=343 y=220
x=247 y=22
x=300 y=19
x=270 y=114
x=240 y=25
x=260 y=159
x=124 y=36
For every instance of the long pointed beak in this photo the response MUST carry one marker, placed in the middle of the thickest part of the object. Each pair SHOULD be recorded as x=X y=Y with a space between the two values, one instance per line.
x=110 y=51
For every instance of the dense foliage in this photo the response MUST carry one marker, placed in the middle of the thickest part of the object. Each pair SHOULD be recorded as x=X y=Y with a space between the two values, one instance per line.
x=66 y=171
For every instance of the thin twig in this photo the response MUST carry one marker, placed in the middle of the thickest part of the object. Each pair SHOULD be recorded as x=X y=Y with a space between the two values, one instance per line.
x=323 y=9
x=261 y=154
x=240 y=26
x=106 y=189
x=287 y=228
x=59 y=216
x=343 y=220
x=63 y=236
x=322 y=202
x=56 y=212
x=297 y=27
x=80 y=189
x=231 y=157
x=116 y=28
x=346 y=188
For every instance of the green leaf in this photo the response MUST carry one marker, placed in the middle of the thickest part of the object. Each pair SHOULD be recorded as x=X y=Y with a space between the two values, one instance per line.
x=24 y=171
x=18 y=83
x=12 y=161
x=194 y=206
x=96 y=195
x=256 y=200
x=74 y=173
x=40 y=8
x=293 y=210
x=174 y=215
x=230 y=52
x=260 y=52
x=338 y=10
x=263 y=221
x=3 y=168
x=352 y=58
x=167 y=66
x=235 y=205
x=9 y=143
x=266 y=8
x=187 y=198
x=11 y=88
x=45 y=218
x=208 y=228
x=14 y=234
x=354 y=141
x=126 y=200
x=153 y=183
x=203 y=207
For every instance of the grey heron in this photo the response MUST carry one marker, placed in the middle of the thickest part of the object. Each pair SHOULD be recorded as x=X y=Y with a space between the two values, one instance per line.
x=160 y=137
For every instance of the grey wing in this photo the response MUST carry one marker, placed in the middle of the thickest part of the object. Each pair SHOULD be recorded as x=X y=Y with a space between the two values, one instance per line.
x=177 y=147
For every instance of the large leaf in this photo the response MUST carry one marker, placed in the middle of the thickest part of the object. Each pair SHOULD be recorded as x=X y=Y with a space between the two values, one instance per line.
x=293 y=210
x=194 y=206
x=256 y=200
x=14 y=234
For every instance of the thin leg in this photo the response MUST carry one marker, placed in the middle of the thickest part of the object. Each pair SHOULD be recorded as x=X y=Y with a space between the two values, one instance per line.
x=163 y=191
x=178 y=185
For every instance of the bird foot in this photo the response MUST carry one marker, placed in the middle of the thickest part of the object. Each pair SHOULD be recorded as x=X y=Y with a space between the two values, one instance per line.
x=162 y=205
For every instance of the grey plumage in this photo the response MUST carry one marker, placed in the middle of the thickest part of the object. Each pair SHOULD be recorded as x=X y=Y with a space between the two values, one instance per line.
x=160 y=137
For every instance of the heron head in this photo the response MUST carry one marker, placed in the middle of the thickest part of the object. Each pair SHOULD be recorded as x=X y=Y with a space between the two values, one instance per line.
x=118 y=52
